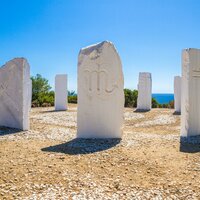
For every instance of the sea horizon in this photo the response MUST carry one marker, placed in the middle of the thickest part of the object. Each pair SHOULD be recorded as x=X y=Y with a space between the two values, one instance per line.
x=163 y=98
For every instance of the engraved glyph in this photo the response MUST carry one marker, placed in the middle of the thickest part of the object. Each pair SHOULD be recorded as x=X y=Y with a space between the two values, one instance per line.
x=5 y=84
x=101 y=80
x=196 y=70
x=196 y=73
x=3 y=87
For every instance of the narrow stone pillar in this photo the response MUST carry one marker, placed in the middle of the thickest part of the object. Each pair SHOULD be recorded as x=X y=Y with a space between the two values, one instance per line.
x=190 y=102
x=61 y=92
x=100 y=92
x=144 y=92
x=15 y=94
x=177 y=94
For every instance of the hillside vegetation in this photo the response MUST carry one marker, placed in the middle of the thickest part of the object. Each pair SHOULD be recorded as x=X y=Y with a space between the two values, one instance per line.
x=43 y=95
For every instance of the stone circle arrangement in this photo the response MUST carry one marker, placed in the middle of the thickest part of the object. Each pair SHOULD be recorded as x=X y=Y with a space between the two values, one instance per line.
x=100 y=93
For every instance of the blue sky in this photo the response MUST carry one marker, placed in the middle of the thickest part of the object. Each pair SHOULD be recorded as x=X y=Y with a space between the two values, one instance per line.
x=148 y=34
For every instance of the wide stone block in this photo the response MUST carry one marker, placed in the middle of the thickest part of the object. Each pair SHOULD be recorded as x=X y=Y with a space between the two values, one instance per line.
x=190 y=102
x=61 y=92
x=15 y=94
x=100 y=92
x=144 y=92
x=177 y=94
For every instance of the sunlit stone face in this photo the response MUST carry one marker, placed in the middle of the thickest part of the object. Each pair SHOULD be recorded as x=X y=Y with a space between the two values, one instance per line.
x=190 y=102
x=15 y=94
x=144 y=91
x=61 y=92
x=100 y=92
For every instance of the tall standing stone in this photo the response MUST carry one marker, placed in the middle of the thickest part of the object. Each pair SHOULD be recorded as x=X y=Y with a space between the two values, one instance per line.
x=190 y=102
x=177 y=94
x=144 y=91
x=100 y=92
x=61 y=92
x=15 y=94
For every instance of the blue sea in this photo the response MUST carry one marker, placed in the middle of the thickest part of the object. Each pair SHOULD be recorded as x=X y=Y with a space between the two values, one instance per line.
x=163 y=98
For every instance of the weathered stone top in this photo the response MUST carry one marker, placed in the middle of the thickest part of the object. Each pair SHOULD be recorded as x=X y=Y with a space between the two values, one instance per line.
x=145 y=74
x=191 y=49
x=94 y=51
x=17 y=61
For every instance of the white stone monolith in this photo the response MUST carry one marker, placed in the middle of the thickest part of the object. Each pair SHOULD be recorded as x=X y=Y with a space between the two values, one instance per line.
x=15 y=94
x=100 y=92
x=61 y=92
x=144 y=91
x=177 y=94
x=190 y=100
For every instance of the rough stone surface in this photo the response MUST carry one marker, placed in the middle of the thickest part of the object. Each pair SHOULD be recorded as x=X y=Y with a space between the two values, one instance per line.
x=15 y=94
x=100 y=92
x=190 y=110
x=144 y=91
x=61 y=92
x=177 y=94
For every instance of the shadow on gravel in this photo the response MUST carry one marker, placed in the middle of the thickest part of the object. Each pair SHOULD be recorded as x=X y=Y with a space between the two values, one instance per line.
x=53 y=111
x=83 y=146
x=141 y=111
x=190 y=144
x=7 y=131
x=176 y=113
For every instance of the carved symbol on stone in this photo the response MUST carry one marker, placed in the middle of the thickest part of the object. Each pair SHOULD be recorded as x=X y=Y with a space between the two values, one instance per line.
x=196 y=73
x=4 y=86
x=99 y=76
x=3 y=89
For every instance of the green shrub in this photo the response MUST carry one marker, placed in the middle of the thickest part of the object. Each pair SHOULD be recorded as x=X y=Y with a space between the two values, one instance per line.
x=41 y=94
x=135 y=96
x=72 y=99
x=171 y=104
x=130 y=98
x=155 y=104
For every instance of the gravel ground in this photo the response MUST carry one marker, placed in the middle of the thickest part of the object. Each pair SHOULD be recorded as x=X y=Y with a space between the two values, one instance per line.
x=48 y=162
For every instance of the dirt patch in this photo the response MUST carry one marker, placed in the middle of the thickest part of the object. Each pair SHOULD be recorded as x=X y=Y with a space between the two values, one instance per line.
x=47 y=162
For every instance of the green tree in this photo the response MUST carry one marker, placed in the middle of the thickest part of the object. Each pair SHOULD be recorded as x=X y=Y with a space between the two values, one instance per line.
x=41 y=93
x=130 y=97
x=40 y=85
x=155 y=104
x=72 y=93
x=135 y=96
